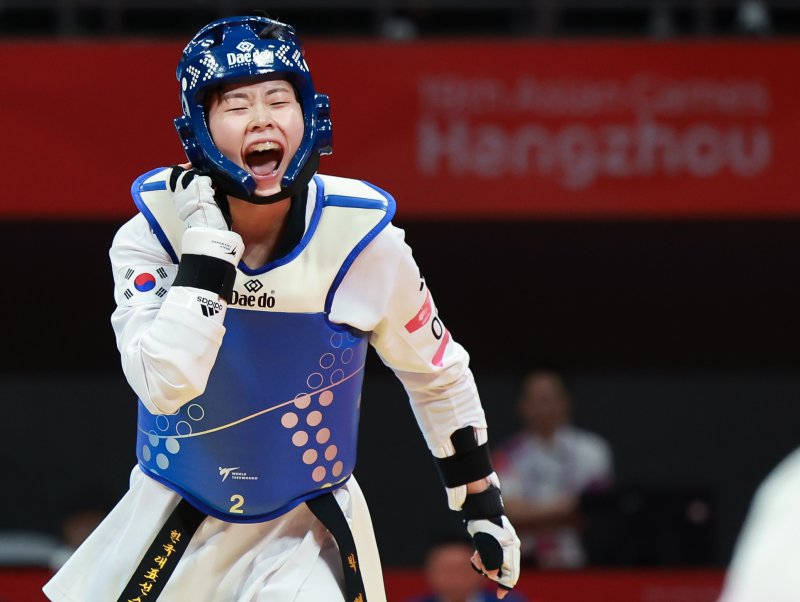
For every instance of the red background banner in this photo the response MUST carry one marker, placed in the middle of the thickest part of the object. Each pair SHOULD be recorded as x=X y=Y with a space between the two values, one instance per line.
x=453 y=130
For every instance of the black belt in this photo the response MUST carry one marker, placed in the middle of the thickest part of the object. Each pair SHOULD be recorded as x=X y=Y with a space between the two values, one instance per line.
x=327 y=510
x=163 y=555
x=161 y=558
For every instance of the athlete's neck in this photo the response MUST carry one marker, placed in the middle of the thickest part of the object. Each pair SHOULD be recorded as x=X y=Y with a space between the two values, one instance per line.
x=260 y=227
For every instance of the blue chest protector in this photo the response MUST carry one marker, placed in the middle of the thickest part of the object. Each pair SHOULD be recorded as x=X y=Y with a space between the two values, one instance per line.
x=277 y=424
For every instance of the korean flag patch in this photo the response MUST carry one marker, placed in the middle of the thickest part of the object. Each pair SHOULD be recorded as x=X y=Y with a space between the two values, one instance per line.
x=147 y=283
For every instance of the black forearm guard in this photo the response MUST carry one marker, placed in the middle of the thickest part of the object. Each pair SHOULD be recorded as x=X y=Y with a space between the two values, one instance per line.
x=471 y=462
x=208 y=273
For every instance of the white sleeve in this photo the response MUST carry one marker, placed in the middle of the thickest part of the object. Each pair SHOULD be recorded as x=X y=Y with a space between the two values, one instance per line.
x=384 y=293
x=764 y=564
x=167 y=344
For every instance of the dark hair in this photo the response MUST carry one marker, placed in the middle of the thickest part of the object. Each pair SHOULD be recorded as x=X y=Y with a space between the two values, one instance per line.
x=273 y=31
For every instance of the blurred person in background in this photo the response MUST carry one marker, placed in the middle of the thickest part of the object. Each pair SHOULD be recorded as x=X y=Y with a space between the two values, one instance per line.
x=546 y=469
x=82 y=514
x=766 y=560
x=79 y=516
x=450 y=577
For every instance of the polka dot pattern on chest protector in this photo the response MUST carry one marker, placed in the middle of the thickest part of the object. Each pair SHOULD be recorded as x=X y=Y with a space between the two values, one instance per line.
x=306 y=418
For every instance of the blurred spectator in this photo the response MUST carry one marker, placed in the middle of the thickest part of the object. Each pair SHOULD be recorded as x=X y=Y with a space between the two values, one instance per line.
x=765 y=561
x=27 y=549
x=544 y=472
x=450 y=575
x=753 y=17
x=76 y=526
x=39 y=549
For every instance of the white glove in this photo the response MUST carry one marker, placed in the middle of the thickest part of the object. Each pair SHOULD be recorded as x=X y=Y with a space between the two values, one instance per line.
x=460 y=462
x=193 y=195
x=497 y=554
x=207 y=229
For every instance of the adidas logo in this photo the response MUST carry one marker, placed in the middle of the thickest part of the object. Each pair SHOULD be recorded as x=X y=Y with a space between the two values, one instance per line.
x=209 y=307
x=208 y=311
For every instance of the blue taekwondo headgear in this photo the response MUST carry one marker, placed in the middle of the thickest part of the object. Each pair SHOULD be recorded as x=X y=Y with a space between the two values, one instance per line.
x=232 y=50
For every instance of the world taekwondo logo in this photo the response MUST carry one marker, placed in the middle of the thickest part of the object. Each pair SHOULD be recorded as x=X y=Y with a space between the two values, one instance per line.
x=234 y=474
x=225 y=472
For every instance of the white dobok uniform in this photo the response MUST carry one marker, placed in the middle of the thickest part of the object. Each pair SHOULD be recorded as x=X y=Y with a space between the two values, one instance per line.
x=765 y=562
x=169 y=340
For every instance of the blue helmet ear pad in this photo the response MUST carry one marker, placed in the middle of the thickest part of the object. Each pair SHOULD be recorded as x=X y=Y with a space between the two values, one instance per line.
x=324 y=127
x=226 y=174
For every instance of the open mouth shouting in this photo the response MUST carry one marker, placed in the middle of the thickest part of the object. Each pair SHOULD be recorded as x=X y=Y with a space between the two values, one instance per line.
x=263 y=159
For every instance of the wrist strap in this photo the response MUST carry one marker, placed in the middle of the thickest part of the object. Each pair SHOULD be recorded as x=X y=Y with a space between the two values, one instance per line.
x=208 y=273
x=486 y=504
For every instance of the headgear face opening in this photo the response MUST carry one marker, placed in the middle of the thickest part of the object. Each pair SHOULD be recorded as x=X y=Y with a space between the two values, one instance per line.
x=232 y=50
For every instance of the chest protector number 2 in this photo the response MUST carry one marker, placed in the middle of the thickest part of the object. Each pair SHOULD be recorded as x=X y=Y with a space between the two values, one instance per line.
x=238 y=502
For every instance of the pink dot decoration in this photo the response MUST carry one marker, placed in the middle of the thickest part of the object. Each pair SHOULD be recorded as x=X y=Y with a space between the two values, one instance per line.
x=323 y=435
x=318 y=473
x=337 y=468
x=314 y=418
x=300 y=438
x=289 y=420
x=326 y=398
x=310 y=456
x=302 y=401
x=330 y=453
